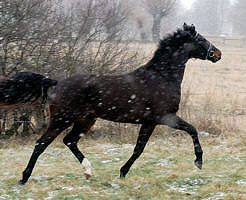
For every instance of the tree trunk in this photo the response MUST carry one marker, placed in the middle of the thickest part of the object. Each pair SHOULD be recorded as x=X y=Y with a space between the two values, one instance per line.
x=3 y=115
x=25 y=121
x=156 y=27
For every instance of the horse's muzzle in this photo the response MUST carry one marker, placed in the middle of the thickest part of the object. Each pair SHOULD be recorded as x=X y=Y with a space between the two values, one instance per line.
x=215 y=55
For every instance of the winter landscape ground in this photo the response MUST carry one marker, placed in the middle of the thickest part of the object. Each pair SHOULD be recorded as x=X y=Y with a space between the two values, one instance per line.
x=214 y=101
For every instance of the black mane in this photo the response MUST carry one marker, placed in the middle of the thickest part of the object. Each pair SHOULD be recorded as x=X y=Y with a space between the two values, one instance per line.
x=172 y=42
x=175 y=39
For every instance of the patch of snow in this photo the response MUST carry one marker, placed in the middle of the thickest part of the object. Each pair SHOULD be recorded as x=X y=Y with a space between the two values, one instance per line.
x=219 y=147
x=112 y=150
x=127 y=146
x=68 y=188
x=109 y=161
x=219 y=194
x=16 y=189
x=163 y=162
x=115 y=186
x=5 y=196
x=241 y=182
x=203 y=133
x=189 y=186
x=51 y=195
x=86 y=187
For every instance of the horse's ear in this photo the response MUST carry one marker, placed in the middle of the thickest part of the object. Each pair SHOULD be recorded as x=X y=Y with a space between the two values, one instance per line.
x=185 y=27
x=192 y=28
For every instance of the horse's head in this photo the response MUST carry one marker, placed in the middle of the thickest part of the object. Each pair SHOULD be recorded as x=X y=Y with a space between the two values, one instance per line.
x=199 y=47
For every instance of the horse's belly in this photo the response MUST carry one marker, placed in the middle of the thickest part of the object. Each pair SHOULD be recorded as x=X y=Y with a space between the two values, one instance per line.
x=123 y=119
x=126 y=115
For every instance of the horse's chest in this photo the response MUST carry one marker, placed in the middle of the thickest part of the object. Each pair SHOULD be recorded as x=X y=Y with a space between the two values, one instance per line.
x=166 y=101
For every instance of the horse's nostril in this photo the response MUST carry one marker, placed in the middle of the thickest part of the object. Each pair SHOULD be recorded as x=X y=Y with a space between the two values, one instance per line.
x=217 y=53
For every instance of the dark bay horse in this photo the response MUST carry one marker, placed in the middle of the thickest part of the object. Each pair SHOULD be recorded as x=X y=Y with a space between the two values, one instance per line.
x=150 y=96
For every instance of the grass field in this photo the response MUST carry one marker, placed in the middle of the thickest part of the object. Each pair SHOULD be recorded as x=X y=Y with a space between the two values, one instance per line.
x=164 y=171
x=214 y=100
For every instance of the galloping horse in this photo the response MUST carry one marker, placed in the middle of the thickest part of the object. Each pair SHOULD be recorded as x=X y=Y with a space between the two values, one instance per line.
x=150 y=96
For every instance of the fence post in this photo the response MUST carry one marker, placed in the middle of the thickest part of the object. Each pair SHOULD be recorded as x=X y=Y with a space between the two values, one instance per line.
x=244 y=42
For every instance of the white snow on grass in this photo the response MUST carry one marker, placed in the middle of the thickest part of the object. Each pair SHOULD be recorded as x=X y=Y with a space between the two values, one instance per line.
x=186 y=185
x=241 y=182
x=110 y=161
x=51 y=195
x=164 y=162
x=70 y=188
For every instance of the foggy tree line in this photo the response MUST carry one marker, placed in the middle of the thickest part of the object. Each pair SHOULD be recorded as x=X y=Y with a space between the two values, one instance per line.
x=220 y=17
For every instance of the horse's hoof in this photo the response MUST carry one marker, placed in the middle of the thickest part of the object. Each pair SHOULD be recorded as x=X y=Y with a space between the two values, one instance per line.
x=122 y=176
x=87 y=176
x=21 y=182
x=198 y=163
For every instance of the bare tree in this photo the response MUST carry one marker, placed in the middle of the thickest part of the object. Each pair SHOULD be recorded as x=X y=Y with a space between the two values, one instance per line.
x=45 y=37
x=97 y=28
x=114 y=15
x=140 y=26
x=158 y=9
x=28 y=34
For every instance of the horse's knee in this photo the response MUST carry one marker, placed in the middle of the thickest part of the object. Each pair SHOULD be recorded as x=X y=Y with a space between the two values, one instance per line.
x=192 y=131
x=40 y=147
x=68 y=140
x=46 y=139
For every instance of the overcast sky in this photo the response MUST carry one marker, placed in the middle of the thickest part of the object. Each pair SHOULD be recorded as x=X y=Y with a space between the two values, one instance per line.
x=188 y=3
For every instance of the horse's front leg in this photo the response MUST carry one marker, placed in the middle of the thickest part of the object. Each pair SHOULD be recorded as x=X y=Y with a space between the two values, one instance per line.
x=176 y=122
x=143 y=137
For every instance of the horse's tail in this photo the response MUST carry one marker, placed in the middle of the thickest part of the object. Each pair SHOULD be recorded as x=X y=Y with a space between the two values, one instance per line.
x=24 y=87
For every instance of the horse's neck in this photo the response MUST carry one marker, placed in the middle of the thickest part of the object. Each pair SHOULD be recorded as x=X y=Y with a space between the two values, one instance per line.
x=170 y=68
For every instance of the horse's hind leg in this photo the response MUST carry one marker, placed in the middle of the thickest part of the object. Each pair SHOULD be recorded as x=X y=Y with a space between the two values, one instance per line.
x=80 y=127
x=40 y=146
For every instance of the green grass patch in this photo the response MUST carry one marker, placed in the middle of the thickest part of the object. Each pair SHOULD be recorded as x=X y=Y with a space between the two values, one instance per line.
x=164 y=171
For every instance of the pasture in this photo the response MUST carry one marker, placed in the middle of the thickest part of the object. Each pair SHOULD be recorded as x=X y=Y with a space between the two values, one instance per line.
x=213 y=101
